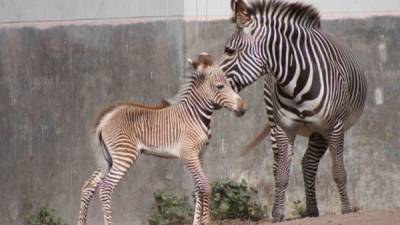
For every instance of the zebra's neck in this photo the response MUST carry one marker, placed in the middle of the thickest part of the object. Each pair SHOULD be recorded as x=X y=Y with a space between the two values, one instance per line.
x=282 y=30
x=275 y=12
x=290 y=51
x=197 y=106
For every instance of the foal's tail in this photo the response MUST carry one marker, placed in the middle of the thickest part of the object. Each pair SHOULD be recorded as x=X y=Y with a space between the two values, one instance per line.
x=256 y=140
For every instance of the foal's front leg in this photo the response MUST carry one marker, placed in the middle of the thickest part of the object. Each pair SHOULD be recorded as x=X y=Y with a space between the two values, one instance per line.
x=202 y=214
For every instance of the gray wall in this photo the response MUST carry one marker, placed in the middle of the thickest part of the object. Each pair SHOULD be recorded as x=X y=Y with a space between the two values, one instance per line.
x=53 y=81
x=50 y=10
x=45 y=10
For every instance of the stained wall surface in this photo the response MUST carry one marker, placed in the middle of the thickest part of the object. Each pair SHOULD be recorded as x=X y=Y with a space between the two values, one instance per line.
x=58 y=10
x=54 y=77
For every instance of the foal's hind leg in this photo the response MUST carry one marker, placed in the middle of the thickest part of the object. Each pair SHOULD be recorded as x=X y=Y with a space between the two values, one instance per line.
x=88 y=189
x=123 y=156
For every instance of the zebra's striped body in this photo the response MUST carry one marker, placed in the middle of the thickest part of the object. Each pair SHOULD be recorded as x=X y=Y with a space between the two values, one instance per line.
x=179 y=130
x=313 y=87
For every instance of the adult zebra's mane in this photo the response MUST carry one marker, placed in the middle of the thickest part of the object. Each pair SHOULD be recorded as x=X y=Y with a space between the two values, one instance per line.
x=308 y=14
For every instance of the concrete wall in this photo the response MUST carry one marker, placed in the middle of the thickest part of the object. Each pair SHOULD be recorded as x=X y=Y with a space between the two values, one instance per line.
x=55 y=77
x=50 y=10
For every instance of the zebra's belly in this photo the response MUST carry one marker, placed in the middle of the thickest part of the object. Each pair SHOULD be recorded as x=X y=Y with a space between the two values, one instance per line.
x=172 y=151
x=295 y=125
x=306 y=126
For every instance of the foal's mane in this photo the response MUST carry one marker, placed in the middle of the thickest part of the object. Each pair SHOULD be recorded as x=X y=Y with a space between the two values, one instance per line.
x=197 y=76
x=189 y=82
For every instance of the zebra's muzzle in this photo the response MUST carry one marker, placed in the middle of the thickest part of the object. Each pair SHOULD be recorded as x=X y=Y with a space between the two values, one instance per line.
x=241 y=109
x=240 y=113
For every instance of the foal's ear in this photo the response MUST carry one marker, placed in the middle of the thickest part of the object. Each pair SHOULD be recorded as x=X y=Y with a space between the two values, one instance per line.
x=195 y=64
x=242 y=13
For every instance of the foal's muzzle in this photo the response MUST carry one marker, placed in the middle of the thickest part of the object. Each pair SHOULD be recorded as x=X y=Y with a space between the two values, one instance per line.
x=241 y=108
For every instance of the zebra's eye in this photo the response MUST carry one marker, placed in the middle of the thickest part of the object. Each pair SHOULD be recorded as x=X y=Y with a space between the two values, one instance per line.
x=220 y=86
x=229 y=51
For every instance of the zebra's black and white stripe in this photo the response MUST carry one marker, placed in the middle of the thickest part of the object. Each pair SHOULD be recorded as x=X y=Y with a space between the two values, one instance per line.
x=178 y=129
x=313 y=87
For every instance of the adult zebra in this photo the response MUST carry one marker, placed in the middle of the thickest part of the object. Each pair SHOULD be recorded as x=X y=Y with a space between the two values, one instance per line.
x=313 y=87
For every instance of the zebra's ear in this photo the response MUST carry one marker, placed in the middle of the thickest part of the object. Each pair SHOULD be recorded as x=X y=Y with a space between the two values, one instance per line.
x=195 y=64
x=242 y=13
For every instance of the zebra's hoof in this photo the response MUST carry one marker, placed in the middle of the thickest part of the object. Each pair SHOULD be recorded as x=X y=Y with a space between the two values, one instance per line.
x=277 y=219
x=347 y=210
x=312 y=213
x=277 y=215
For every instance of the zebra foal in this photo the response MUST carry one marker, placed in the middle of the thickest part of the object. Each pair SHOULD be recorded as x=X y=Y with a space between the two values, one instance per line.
x=178 y=129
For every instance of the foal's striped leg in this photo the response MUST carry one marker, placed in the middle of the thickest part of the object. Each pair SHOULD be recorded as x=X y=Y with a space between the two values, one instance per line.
x=202 y=215
x=123 y=155
x=88 y=189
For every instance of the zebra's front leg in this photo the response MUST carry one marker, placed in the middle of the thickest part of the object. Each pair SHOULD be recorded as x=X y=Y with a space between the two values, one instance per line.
x=202 y=215
x=336 y=143
x=317 y=147
x=283 y=151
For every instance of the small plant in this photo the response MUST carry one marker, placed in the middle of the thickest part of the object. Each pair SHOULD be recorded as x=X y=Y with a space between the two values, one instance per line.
x=171 y=210
x=229 y=200
x=233 y=200
x=44 y=216
x=299 y=209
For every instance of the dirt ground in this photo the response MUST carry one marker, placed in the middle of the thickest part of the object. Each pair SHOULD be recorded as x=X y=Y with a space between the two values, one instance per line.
x=381 y=217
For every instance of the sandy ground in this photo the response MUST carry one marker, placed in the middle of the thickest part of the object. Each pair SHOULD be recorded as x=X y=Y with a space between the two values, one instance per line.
x=384 y=217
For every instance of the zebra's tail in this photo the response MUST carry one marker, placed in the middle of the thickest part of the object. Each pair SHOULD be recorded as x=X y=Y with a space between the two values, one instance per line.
x=105 y=151
x=256 y=140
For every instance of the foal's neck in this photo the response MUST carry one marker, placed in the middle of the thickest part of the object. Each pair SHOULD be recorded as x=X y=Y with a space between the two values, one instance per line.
x=198 y=107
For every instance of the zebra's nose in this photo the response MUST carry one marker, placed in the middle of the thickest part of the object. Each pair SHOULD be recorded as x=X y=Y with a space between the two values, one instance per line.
x=241 y=108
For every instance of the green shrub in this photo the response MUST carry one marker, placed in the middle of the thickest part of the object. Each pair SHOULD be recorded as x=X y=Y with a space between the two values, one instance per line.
x=233 y=200
x=44 y=216
x=229 y=200
x=171 y=210
x=299 y=209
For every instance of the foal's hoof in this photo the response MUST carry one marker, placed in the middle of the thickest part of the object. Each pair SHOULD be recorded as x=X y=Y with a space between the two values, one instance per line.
x=347 y=210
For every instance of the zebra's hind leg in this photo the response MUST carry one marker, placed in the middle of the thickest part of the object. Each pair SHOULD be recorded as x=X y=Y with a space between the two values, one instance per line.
x=88 y=189
x=123 y=159
x=283 y=151
x=336 y=143
x=202 y=214
x=317 y=147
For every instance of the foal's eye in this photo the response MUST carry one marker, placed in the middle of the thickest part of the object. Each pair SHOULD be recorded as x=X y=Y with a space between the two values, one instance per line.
x=220 y=86
x=229 y=51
